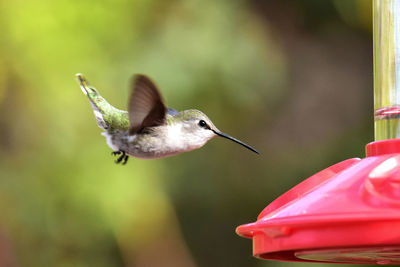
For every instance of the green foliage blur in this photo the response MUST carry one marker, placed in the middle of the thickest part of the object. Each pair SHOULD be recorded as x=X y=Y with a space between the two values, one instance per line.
x=291 y=78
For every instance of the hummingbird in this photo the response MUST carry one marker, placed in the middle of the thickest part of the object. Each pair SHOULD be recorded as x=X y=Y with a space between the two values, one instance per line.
x=149 y=129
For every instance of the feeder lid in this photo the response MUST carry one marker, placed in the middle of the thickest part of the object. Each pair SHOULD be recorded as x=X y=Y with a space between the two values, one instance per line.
x=347 y=213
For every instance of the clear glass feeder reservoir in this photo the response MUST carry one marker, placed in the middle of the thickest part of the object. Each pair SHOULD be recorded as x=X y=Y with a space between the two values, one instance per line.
x=387 y=69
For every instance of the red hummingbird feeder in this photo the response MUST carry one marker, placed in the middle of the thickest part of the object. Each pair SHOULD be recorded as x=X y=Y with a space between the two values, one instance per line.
x=349 y=212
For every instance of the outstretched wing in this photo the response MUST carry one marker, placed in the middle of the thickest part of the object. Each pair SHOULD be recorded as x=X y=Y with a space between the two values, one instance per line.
x=145 y=107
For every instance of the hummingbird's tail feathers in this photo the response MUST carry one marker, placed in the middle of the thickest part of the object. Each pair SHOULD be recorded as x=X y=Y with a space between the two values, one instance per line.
x=91 y=92
x=107 y=116
x=83 y=83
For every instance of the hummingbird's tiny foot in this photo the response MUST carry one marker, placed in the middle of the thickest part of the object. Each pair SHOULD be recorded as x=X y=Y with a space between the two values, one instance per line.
x=125 y=159
x=114 y=153
x=120 y=158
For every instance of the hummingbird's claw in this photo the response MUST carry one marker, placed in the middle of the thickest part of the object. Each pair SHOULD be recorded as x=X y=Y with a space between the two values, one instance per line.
x=123 y=158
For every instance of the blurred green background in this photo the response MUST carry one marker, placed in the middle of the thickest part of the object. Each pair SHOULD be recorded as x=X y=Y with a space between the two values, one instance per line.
x=291 y=78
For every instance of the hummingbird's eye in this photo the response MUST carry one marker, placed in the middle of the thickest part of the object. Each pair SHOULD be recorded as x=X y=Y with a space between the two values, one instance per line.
x=203 y=124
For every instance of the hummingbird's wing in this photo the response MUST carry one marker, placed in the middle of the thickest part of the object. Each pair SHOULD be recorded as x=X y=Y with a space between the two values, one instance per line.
x=145 y=107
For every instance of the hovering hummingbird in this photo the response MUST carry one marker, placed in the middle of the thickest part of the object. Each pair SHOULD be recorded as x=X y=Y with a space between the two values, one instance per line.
x=149 y=129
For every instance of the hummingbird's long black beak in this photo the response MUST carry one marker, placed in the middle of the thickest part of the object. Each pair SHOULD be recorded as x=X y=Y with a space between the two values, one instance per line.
x=227 y=136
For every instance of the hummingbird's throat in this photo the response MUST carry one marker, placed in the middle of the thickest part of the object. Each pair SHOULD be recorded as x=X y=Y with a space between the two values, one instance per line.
x=183 y=137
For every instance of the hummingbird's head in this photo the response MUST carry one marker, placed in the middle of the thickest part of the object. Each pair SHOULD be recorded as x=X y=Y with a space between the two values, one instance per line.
x=197 y=129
